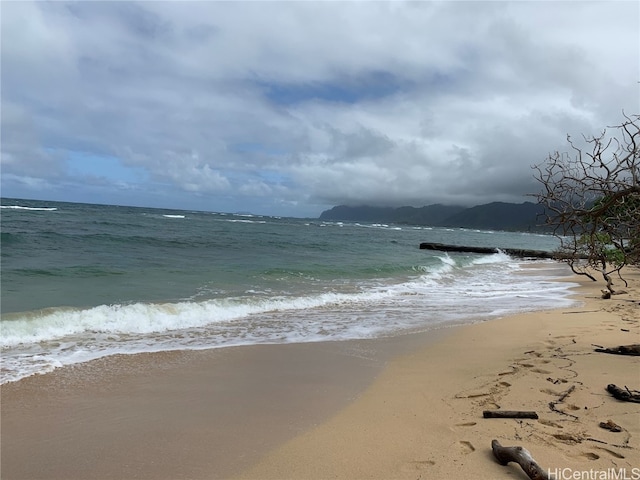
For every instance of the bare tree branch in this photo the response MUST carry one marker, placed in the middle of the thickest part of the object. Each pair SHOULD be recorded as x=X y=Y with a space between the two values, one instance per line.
x=592 y=200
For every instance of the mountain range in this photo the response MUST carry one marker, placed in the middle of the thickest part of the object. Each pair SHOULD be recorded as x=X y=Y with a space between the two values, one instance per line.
x=524 y=217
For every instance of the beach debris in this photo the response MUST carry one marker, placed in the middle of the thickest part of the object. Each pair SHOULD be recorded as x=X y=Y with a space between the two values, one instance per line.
x=611 y=426
x=522 y=457
x=552 y=405
x=556 y=380
x=509 y=414
x=625 y=394
x=633 y=350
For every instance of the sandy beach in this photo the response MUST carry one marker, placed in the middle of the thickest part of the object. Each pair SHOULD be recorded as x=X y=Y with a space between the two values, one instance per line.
x=407 y=408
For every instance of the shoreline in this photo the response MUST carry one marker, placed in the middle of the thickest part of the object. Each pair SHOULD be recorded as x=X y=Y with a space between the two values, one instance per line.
x=422 y=417
x=22 y=360
x=400 y=407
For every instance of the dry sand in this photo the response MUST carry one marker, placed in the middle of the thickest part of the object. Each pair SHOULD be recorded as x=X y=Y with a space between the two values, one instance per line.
x=409 y=407
x=422 y=418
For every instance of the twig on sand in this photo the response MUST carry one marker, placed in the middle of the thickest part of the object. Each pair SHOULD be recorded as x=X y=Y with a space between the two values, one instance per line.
x=552 y=405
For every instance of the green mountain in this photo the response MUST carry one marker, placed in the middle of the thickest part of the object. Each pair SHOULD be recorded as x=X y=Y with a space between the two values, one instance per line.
x=429 y=215
x=525 y=216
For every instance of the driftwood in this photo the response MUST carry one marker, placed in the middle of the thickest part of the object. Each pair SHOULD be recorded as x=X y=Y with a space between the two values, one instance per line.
x=522 y=457
x=443 y=247
x=611 y=426
x=633 y=350
x=509 y=414
x=625 y=394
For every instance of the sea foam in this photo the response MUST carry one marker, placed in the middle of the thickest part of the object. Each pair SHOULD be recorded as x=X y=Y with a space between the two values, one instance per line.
x=449 y=292
x=33 y=209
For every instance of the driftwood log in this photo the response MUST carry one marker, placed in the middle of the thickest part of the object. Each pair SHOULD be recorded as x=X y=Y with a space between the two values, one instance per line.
x=443 y=247
x=516 y=252
x=509 y=414
x=633 y=350
x=625 y=394
x=522 y=457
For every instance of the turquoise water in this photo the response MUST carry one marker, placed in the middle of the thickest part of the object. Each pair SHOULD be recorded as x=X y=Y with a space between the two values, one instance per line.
x=82 y=281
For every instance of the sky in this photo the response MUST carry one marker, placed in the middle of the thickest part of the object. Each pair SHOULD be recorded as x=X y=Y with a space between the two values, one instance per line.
x=288 y=108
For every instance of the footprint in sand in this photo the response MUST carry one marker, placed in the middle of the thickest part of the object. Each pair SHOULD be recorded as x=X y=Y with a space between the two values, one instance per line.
x=473 y=395
x=555 y=381
x=568 y=438
x=548 y=391
x=513 y=368
x=590 y=456
x=549 y=423
x=535 y=370
x=467 y=447
x=467 y=424
x=611 y=452
x=540 y=370
x=417 y=465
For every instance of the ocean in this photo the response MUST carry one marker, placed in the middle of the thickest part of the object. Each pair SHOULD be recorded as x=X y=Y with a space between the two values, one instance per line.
x=84 y=281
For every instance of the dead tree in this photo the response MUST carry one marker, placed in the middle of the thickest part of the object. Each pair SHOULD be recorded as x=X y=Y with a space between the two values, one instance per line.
x=592 y=200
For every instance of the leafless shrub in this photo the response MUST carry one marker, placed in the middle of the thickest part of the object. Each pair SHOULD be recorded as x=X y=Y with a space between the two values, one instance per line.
x=591 y=197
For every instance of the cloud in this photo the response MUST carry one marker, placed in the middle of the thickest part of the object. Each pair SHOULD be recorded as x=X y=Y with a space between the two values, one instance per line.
x=290 y=107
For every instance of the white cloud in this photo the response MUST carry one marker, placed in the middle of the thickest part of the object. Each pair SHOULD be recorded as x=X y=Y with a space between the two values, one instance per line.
x=306 y=104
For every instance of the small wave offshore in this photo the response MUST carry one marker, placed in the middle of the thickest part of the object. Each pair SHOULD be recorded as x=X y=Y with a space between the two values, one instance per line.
x=451 y=290
x=31 y=209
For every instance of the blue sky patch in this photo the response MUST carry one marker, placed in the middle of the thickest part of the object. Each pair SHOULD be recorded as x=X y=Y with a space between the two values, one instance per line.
x=86 y=164
x=369 y=86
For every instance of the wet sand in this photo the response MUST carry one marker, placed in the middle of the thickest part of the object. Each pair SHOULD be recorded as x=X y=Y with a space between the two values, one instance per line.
x=181 y=415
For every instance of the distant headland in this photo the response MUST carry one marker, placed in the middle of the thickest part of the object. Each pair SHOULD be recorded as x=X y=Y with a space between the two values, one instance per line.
x=522 y=217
